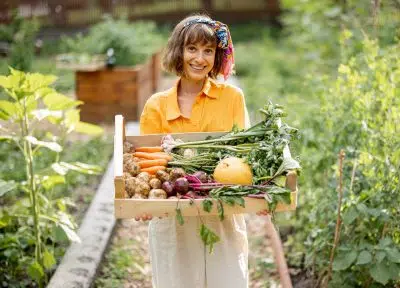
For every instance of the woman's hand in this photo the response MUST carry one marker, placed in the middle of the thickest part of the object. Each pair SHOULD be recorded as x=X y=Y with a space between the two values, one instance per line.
x=147 y=217
x=144 y=217
x=263 y=213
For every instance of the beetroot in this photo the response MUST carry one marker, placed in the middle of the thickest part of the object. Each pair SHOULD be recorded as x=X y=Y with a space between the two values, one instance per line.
x=202 y=176
x=169 y=188
x=181 y=185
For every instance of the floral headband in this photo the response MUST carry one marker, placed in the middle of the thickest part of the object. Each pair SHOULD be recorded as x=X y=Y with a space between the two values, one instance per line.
x=224 y=41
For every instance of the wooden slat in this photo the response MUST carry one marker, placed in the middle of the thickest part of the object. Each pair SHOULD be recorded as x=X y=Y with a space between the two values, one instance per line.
x=130 y=208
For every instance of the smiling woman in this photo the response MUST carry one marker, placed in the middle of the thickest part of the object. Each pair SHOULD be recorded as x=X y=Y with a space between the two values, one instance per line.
x=198 y=51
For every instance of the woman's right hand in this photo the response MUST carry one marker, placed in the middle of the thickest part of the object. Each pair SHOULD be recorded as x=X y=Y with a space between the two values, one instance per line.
x=144 y=217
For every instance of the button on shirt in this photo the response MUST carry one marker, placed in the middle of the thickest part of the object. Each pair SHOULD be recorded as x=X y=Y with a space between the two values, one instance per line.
x=217 y=108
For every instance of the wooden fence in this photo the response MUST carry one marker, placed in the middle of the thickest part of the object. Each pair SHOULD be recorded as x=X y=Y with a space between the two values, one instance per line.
x=81 y=13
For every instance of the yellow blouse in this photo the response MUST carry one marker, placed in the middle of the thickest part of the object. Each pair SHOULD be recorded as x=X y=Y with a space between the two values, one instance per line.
x=217 y=108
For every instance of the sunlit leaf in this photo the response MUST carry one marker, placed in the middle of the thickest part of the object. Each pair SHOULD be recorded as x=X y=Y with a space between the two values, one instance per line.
x=59 y=169
x=49 y=182
x=87 y=128
x=50 y=145
x=48 y=259
x=57 y=101
x=41 y=114
x=82 y=167
x=35 y=81
x=35 y=271
x=7 y=109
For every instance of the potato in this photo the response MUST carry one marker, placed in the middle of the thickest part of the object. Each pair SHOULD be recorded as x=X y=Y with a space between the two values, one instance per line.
x=144 y=176
x=157 y=194
x=130 y=185
x=155 y=183
x=128 y=147
x=162 y=175
x=142 y=188
x=131 y=167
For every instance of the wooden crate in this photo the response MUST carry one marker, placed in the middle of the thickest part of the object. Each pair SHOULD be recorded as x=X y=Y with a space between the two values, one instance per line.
x=121 y=90
x=130 y=208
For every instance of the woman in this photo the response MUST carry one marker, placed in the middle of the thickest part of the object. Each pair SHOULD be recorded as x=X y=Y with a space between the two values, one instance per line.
x=198 y=50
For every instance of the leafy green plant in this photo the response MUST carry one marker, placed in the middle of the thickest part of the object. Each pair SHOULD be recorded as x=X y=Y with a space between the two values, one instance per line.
x=359 y=112
x=133 y=43
x=21 y=35
x=32 y=225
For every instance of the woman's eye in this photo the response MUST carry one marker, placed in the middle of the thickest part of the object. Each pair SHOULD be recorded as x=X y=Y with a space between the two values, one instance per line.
x=191 y=48
x=209 y=51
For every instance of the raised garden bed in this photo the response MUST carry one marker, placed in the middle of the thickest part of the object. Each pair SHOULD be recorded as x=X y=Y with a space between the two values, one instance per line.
x=120 y=90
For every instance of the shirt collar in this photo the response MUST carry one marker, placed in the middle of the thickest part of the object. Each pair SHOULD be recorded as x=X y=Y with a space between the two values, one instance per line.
x=209 y=89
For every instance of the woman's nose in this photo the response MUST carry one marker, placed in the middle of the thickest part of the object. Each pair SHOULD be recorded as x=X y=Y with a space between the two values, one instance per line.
x=200 y=57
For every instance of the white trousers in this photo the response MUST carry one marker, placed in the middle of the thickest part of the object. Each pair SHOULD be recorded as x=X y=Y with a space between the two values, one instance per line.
x=179 y=260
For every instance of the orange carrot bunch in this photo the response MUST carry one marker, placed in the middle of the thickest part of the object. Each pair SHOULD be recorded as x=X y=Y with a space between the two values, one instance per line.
x=151 y=159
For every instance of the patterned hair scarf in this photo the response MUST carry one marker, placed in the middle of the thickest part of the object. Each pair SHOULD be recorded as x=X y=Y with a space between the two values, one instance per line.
x=224 y=41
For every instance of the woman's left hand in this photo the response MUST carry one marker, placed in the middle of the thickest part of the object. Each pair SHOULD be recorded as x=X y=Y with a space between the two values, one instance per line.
x=263 y=213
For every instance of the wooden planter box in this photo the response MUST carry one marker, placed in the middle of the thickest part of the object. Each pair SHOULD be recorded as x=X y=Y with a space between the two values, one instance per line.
x=120 y=90
x=130 y=208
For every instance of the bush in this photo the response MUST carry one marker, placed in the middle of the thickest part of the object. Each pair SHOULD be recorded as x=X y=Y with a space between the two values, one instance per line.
x=21 y=34
x=133 y=43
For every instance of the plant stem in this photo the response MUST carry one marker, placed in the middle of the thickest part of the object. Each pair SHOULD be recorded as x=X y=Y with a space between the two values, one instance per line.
x=338 y=219
x=33 y=195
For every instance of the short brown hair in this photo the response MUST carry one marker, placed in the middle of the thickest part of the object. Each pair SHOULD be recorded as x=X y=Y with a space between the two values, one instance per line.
x=181 y=36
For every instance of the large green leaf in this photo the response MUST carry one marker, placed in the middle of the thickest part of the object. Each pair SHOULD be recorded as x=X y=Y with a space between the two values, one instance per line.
x=49 y=182
x=35 y=271
x=41 y=114
x=6 y=186
x=287 y=164
x=57 y=101
x=50 y=145
x=7 y=109
x=82 y=167
x=383 y=272
x=393 y=254
x=35 y=81
x=5 y=82
x=48 y=259
x=87 y=128
x=344 y=260
x=59 y=169
x=365 y=257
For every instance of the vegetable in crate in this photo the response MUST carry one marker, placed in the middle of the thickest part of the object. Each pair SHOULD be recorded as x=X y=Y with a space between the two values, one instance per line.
x=262 y=145
x=233 y=170
x=130 y=165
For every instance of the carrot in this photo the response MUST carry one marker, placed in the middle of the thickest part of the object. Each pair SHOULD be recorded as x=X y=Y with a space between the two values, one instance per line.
x=164 y=155
x=151 y=163
x=152 y=156
x=152 y=170
x=149 y=149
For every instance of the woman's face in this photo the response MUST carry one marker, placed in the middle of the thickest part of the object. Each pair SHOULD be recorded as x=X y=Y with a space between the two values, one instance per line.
x=198 y=60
